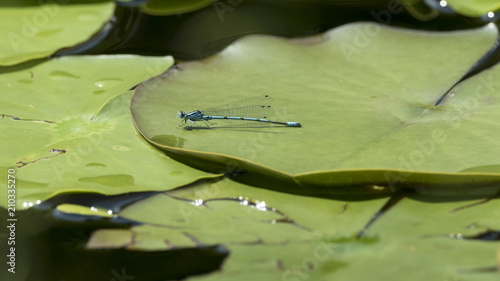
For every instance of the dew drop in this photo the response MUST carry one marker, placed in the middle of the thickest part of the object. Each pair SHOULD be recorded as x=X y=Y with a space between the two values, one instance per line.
x=108 y=82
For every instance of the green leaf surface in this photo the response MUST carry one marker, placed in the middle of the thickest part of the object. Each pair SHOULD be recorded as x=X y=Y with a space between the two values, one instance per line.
x=110 y=238
x=31 y=32
x=365 y=96
x=295 y=237
x=227 y=212
x=173 y=7
x=474 y=8
x=81 y=210
x=66 y=127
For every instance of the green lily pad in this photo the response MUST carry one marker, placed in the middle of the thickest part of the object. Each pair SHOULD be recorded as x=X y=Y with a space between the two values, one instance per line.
x=163 y=8
x=66 y=127
x=297 y=237
x=31 y=32
x=81 y=210
x=110 y=238
x=474 y=8
x=207 y=213
x=365 y=96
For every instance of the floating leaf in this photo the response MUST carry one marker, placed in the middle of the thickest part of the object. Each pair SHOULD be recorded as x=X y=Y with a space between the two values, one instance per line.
x=110 y=238
x=474 y=8
x=366 y=97
x=208 y=213
x=298 y=237
x=66 y=128
x=81 y=210
x=173 y=7
x=31 y=32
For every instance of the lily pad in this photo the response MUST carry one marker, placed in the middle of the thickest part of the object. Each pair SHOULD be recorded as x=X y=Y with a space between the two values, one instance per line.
x=173 y=7
x=31 y=32
x=214 y=212
x=297 y=237
x=366 y=96
x=66 y=127
x=474 y=8
x=81 y=210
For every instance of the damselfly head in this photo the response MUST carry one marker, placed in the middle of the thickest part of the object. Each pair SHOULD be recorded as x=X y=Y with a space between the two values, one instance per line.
x=181 y=114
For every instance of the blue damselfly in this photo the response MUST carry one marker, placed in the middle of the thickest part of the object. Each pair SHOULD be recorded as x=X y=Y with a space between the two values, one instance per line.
x=250 y=109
